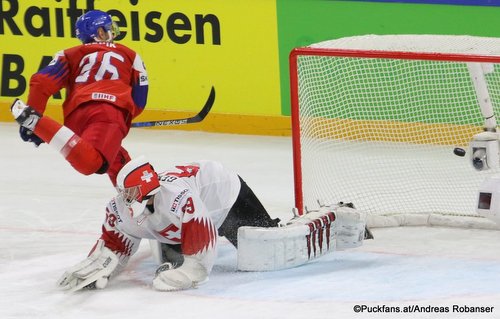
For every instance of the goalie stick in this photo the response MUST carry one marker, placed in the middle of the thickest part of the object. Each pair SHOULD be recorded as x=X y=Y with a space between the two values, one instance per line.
x=194 y=119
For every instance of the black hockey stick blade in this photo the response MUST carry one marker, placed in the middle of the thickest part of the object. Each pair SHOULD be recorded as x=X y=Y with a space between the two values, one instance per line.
x=194 y=119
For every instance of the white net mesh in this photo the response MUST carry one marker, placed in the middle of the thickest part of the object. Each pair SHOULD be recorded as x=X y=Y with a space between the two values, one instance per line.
x=380 y=132
x=421 y=43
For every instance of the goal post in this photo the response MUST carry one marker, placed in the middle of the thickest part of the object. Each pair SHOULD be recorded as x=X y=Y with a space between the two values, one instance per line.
x=375 y=120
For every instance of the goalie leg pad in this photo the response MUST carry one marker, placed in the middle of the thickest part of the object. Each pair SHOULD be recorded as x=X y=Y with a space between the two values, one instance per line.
x=351 y=227
x=301 y=240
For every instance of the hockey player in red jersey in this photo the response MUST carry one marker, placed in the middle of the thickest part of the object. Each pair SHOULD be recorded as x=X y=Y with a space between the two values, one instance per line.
x=185 y=210
x=106 y=85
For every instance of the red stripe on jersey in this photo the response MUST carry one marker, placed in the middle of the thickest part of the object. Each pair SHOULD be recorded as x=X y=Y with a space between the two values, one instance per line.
x=197 y=236
x=116 y=242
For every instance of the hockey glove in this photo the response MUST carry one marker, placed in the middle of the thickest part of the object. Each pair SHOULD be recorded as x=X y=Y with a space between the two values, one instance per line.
x=91 y=273
x=28 y=136
x=190 y=275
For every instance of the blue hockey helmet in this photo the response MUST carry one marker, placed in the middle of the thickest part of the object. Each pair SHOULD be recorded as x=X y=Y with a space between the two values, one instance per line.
x=88 y=24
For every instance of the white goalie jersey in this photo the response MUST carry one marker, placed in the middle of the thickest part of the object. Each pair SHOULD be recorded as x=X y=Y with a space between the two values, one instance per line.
x=192 y=203
x=185 y=208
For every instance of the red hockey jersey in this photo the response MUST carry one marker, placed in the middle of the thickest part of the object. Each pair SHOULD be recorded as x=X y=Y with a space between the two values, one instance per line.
x=101 y=71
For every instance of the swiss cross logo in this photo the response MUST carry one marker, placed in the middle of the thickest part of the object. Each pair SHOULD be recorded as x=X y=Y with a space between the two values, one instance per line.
x=171 y=232
x=147 y=176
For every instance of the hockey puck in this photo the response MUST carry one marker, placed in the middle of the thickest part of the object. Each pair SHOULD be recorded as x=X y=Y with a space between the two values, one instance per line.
x=459 y=151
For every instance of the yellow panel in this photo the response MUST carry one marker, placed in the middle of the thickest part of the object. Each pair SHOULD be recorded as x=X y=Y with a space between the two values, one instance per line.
x=243 y=67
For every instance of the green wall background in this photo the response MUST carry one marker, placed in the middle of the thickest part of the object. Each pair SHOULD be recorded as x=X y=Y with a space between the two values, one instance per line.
x=303 y=22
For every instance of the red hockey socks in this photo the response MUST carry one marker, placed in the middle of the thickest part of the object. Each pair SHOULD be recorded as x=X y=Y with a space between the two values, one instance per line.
x=79 y=153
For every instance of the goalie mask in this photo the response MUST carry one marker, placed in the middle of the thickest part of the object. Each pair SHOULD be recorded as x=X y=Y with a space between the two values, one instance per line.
x=137 y=181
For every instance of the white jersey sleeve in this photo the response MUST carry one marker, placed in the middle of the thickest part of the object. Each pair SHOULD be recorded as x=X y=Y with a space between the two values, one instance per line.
x=122 y=244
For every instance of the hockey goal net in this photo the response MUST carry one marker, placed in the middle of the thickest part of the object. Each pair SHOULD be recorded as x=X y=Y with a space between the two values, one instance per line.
x=375 y=120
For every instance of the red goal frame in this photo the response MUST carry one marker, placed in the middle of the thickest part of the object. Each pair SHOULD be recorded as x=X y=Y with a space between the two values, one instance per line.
x=311 y=51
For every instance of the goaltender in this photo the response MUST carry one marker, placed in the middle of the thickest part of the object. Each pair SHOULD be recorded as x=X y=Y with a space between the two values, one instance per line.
x=185 y=209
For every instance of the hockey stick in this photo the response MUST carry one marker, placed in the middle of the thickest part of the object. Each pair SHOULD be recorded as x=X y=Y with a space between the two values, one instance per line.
x=194 y=119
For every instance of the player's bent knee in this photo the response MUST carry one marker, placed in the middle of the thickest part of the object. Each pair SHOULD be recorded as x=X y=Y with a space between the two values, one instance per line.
x=86 y=159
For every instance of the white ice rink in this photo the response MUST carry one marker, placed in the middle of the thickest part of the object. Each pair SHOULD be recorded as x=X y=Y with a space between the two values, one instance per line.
x=51 y=217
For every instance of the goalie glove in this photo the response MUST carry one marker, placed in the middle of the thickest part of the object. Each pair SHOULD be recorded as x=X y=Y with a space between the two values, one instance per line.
x=91 y=273
x=190 y=275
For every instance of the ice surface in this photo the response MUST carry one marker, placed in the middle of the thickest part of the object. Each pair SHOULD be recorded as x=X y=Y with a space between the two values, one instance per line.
x=51 y=217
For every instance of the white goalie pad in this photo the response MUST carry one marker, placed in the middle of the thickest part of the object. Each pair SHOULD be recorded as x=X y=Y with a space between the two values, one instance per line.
x=301 y=240
x=350 y=227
